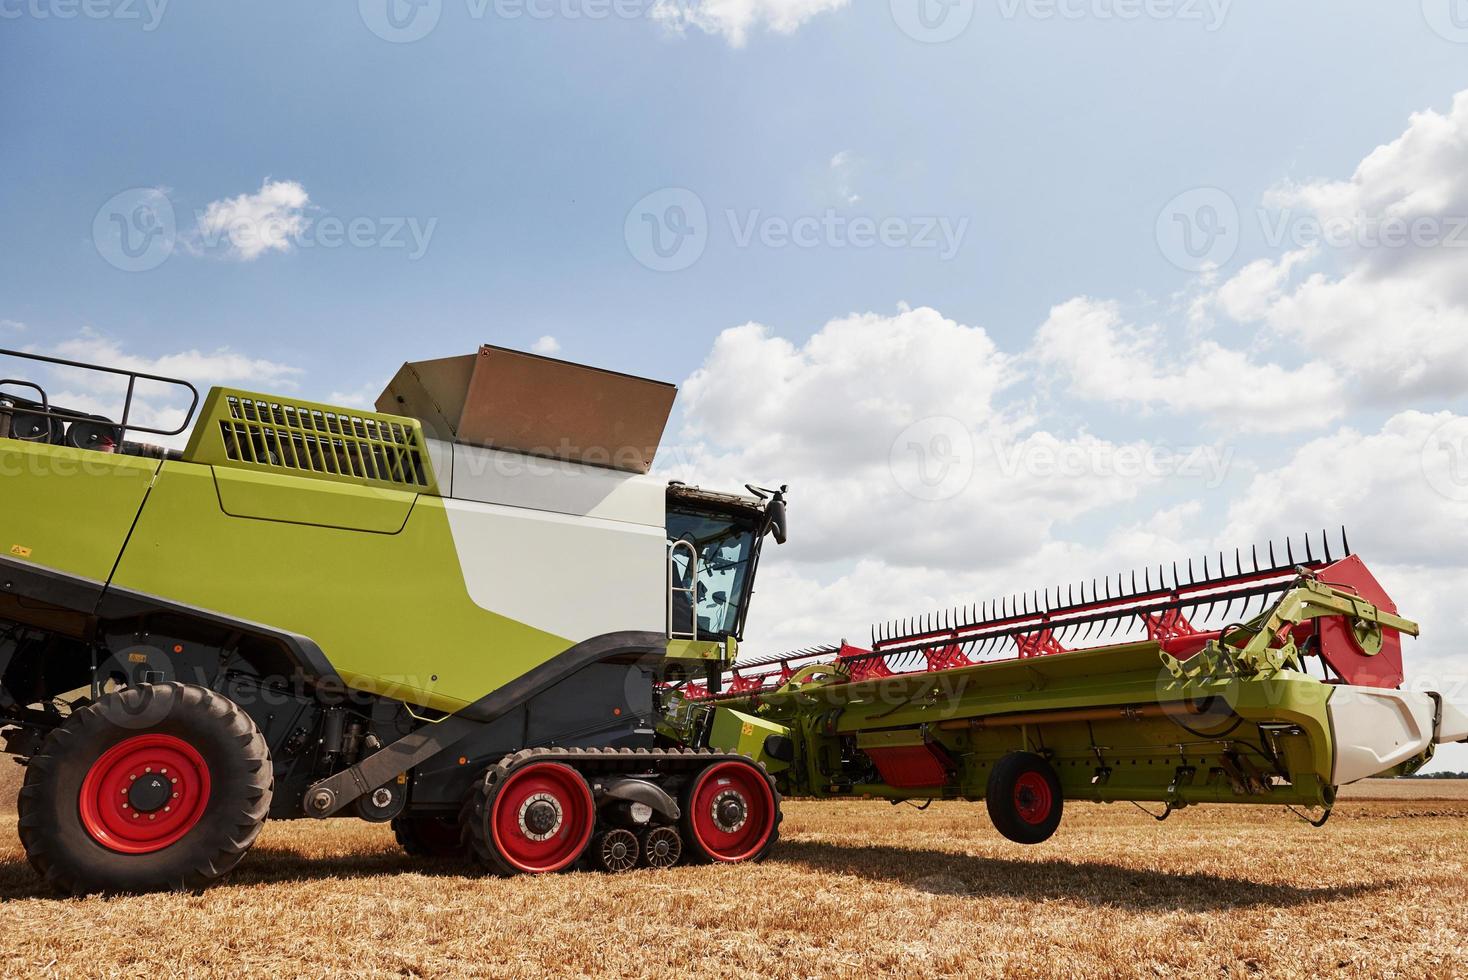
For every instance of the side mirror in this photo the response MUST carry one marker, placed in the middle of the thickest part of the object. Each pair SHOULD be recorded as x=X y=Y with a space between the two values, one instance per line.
x=777 y=519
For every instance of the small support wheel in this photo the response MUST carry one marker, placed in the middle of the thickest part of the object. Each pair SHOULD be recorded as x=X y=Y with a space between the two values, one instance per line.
x=616 y=850
x=662 y=847
x=534 y=819
x=1024 y=798
x=732 y=813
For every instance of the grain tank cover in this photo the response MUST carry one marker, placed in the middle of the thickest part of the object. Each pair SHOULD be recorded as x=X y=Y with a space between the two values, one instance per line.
x=510 y=400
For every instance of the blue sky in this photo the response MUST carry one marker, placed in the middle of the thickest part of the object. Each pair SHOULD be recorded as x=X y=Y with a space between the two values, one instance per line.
x=1052 y=139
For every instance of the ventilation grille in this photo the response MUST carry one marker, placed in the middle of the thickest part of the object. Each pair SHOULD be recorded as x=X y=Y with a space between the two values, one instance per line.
x=322 y=442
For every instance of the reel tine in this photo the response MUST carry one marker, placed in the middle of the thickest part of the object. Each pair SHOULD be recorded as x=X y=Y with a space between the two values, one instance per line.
x=1115 y=625
x=1345 y=541
x=1273 y=562
x=1146 y=577
x=1290 y=551
x=1309 y=555
x=1325 y=541
x=1175 y=583
x=1134 y=581
x=1238 y=562
x=1207 y=576
x=1256 y=557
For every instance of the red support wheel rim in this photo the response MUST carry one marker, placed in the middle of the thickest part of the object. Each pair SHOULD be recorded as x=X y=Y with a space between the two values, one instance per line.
x=732 y=810
x=542 y=818
x=1032 y=798
x=144 y=793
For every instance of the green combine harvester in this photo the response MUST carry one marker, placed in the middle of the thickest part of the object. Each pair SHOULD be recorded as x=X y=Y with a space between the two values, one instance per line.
x=474 y=614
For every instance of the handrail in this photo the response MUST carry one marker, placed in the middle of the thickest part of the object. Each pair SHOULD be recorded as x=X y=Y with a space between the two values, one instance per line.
x=691 y=590
x=133 y=377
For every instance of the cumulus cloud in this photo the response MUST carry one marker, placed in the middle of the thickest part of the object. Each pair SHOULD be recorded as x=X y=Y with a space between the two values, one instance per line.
x=902 y=447
x=1376 y=289
x=735 y=19
x=246 y=227
x=546 y=345
x=1104 y=358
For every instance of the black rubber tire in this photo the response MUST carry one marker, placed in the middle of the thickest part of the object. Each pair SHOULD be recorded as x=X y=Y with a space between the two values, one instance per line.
x=1004 y=810
x=429 y=837
x=693 y=850
x=240 y=776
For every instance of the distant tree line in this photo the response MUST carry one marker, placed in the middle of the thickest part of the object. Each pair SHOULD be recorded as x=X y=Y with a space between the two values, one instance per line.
x=1437 y=775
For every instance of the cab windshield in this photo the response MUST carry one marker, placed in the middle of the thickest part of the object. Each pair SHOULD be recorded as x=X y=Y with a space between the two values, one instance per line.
x=726 y=552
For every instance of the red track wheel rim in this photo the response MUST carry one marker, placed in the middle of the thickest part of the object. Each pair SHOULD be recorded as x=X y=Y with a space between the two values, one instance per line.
x=1032 y=798
x=144 y=793
x=543 y=818
x=732 y=811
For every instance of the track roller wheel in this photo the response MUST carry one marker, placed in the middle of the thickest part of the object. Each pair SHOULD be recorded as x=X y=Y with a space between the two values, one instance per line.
x=1024 y=798
x=428 y=837
x=536 y=818
x=616 y=850
x=731 y=813
x=158 y=786
x=662 y=847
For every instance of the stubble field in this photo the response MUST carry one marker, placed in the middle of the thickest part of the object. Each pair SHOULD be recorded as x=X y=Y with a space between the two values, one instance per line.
x=853 y=889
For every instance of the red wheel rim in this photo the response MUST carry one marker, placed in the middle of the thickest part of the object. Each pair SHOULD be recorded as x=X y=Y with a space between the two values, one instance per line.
x=543 y=818
x=1032 y=798
x=144 y=793
x=724 y=790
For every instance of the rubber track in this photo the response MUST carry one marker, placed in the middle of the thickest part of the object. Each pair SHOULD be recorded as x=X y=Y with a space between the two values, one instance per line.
x=590 y=763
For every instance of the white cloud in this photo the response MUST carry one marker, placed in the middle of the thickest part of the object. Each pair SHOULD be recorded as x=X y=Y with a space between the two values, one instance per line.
x=547 y=345
x=1391 y=312
x=893 y=436
x=248 y=226
x=1105 y=358
x=12 y=326
x=735 y=19
x=842 y=166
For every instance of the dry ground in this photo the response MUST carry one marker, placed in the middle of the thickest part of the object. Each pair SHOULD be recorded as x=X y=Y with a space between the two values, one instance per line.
x=854 y=889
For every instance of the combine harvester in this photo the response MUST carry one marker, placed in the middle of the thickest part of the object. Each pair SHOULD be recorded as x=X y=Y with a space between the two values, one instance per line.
x=474 y=613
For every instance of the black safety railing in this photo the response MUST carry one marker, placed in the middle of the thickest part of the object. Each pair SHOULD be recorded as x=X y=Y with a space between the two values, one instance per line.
x=123 y=425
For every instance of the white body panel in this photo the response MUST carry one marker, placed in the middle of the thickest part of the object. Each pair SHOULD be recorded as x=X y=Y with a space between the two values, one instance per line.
x=574 y=577
x=1375 y=729
x=492 y=476
x=1454 y=724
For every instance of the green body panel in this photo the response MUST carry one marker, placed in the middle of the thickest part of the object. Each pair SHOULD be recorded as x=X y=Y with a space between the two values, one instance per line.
x=69 y=509
x=389 y=610
x=738 y=731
